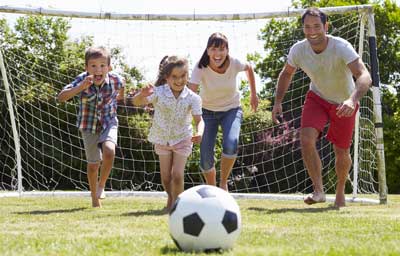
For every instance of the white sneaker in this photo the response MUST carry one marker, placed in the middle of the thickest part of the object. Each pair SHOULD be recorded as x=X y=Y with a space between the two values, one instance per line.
x=315 y=198
x=100 y=193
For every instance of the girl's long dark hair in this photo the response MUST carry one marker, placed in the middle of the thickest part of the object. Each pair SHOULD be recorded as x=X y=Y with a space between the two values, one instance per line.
x=215 y=40
x=167 y=64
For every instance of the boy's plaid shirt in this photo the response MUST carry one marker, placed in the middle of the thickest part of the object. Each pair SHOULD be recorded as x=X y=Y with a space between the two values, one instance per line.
x=98 y=105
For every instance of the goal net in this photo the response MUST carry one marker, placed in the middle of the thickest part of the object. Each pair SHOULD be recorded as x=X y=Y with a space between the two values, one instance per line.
x=41 y=148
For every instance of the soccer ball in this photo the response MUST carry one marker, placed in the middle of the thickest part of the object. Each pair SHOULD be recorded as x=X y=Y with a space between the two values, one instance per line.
x=204 y=218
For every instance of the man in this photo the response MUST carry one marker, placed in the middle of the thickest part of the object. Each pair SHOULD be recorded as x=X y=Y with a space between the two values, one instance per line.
x=330 y=63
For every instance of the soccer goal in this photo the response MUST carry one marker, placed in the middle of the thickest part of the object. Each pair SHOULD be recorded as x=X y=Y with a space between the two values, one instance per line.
x=41 y=50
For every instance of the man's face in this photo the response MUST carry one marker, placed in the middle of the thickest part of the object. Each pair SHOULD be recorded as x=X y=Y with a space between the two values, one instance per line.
x=314 y=30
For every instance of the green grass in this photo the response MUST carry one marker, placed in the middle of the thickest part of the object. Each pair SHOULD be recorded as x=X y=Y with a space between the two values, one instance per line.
x=137 y=226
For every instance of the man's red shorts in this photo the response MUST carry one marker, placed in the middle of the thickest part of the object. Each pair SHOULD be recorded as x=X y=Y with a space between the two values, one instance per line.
x=317 y=112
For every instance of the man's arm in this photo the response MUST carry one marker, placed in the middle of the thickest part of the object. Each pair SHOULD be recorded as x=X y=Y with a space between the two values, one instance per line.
x=284 y=79
x=363 y=79
x=363 y=83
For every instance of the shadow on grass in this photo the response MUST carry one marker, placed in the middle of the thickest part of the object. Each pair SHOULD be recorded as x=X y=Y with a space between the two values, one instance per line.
x=174 y=250
x=45 y=212
x=299 y=210
x=169 y=250
x=148 y=212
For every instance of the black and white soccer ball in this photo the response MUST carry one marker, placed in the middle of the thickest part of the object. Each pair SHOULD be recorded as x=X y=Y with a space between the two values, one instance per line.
x=205 y=218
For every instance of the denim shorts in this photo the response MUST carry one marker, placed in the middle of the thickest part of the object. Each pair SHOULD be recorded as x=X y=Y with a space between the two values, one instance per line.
x=93 y=142
x=230 y=122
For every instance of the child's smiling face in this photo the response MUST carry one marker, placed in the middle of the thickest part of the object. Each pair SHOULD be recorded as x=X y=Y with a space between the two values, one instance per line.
x=178 y=78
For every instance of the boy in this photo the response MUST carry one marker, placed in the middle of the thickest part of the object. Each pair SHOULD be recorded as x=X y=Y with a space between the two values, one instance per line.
x=98 y=90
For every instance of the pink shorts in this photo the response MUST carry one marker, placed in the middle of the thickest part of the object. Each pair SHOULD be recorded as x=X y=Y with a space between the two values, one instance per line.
x=183 y=148
x=317 y=112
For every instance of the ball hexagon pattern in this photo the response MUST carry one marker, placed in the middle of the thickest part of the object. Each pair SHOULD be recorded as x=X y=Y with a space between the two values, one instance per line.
x=204 y=218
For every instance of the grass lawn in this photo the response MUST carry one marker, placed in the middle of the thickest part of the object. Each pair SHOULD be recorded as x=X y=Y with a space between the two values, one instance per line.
x=137 y=226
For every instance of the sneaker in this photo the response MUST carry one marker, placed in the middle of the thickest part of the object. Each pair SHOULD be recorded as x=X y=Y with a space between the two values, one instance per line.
x=100 y=193
x=314 y=198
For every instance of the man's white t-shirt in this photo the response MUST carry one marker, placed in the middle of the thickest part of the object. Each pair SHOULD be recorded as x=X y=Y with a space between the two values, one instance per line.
x=219 y=92
x=331 y=79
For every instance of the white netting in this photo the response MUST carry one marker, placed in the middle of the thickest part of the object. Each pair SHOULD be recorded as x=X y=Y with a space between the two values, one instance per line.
x=269 y=156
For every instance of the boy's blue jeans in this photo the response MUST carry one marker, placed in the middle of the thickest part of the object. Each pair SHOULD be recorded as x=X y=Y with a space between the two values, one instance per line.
x=230 y=122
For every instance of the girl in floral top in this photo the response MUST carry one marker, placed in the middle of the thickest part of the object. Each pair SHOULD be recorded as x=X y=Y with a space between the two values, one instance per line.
x=171 y=132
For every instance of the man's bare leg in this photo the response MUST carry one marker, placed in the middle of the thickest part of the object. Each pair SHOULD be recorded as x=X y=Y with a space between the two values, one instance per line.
x=342 y=167
x=312 y=161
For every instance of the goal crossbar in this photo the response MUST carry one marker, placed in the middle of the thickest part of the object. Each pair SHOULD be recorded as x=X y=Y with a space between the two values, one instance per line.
x=194 y=16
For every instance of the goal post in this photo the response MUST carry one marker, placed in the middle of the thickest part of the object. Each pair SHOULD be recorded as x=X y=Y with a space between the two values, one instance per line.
x=377 y=110
x=41 y=149
x=10 y=105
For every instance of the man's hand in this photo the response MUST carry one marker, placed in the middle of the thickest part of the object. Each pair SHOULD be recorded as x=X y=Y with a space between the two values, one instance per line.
x=346 y=109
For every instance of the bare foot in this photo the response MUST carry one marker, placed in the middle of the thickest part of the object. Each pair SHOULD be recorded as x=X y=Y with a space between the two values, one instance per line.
x=339 y=204
x=100 y=192
x=165 y=210
x=340 y=201
x=169 y=202
x=314 y=198
x=96 y=203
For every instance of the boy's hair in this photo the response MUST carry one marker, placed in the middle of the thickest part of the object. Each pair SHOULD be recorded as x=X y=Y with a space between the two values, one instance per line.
x=97 y=52
x=216 y=39
x=313 y=11
x=167 y=64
